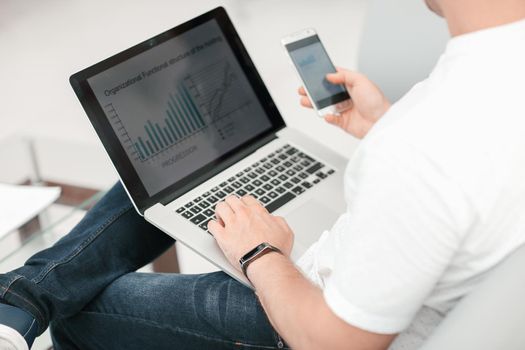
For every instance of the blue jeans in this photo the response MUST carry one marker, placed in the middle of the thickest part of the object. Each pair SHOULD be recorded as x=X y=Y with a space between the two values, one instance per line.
x=86 y=288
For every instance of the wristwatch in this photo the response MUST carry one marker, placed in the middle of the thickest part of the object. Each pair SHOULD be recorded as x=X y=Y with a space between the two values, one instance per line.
x=256 y=253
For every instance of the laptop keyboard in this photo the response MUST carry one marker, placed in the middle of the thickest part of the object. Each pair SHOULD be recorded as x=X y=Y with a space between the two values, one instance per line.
x=274 y=180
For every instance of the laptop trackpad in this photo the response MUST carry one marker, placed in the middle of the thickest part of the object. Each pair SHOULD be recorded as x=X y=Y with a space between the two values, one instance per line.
x=309 y=221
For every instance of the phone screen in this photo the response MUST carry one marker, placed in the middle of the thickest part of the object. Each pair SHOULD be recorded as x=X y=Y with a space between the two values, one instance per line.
x=313 y=63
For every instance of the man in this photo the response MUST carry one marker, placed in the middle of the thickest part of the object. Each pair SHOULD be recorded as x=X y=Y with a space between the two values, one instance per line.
x=436 y=198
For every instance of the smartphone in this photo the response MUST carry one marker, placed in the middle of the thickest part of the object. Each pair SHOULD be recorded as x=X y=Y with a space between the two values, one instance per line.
x=309 y=57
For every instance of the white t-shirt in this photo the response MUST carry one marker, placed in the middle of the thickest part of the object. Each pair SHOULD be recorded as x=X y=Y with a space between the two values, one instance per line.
x=435 y=191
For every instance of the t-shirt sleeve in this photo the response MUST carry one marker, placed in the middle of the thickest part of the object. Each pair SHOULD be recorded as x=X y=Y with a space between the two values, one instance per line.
x=397 y=237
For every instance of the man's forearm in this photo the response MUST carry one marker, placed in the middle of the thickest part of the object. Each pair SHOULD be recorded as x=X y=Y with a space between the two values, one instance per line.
x=281 y=289
x=297 y=310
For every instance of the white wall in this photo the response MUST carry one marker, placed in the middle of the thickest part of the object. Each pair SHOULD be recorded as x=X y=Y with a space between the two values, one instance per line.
x=43 y=42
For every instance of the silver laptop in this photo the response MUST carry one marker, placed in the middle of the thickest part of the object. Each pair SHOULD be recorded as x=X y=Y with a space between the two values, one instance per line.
x=187 y=120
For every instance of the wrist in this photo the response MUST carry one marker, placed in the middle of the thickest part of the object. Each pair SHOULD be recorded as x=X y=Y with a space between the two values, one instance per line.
x=261 y=265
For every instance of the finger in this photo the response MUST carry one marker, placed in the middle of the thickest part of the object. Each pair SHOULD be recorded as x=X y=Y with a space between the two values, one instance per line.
x=334 y=120
x=216 y=229
x=301 y=91
x=224 y=212
x=253 y=203
x=235 y=203
x=305 y=102
x=343 y=76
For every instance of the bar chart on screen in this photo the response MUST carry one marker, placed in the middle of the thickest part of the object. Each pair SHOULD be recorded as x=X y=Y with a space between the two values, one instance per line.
x=203 y=102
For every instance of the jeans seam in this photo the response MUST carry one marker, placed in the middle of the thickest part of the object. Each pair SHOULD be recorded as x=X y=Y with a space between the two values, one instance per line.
x=175 y=329
x=40 y=277
x=7 y=290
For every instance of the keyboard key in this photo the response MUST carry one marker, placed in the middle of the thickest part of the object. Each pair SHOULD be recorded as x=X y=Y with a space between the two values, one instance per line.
x=287 y=164
x=280 y=168
x=249 y=188
x=248 y=169
x=316 y=181
x=275 y=161
x=228 y=189
x=286 y=146
x=215 y=189
x=271 y=155
x=272 y=173
x=220 y=194
x=275 y=182
x=204 y=225
x=223 y=184
x=252 y=175
x=331 y=171
x=187 y=214
x=264 y=200
x=280 y=190
x=257 y=183
x=288 y=185
x=306 y=184
x=231 y=179
x=204 y=204
x=188 y=205
x=241 y=192
x=197 y=200
x=268 y=187
x=206 y=194
x=282 y=156
x=290 y=173
x=298 y=190
x=314 y=168
x=272 y=195
x=265 y=178
x=279 y=202
x=260 y=192
x=291 y=151
x=197 y=219
x=236 y=184
x=303 y=175
x=244 y=180
x=213 y=199
x=196 y=209
x=180 y=210
x=295 y=180
x=283 y=177
x=297 y=168
x=321 y=175
x=268 y=165
x=209 y=212
x=255 y=165
x=239 y=174
x=263 y=160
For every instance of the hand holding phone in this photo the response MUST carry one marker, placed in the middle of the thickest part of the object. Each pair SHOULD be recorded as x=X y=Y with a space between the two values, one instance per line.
x=312 y=63
x=369 y=103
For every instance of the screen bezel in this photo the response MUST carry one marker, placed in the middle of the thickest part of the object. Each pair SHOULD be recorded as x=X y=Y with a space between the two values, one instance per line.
x=304 y=42
x=116 y=152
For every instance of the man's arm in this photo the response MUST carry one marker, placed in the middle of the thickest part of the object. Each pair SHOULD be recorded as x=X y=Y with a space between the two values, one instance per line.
x=295 y=307
x=298 y=311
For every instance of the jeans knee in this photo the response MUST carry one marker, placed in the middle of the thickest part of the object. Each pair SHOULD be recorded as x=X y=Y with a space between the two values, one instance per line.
x=63 y=335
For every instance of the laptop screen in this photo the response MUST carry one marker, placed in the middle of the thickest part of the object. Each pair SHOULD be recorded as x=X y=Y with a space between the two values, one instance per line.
x=180 y=104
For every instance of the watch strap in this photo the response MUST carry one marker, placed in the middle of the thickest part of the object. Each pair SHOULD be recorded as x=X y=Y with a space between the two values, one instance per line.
x=254 y=254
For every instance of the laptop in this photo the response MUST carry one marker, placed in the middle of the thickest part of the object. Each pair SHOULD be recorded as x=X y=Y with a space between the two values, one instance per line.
x=187 y=120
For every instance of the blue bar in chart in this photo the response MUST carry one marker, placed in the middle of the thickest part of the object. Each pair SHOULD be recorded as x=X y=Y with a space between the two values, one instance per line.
x=182 y=120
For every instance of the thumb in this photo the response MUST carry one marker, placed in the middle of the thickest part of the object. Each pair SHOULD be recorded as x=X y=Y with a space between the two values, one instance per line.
x=343 y=76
